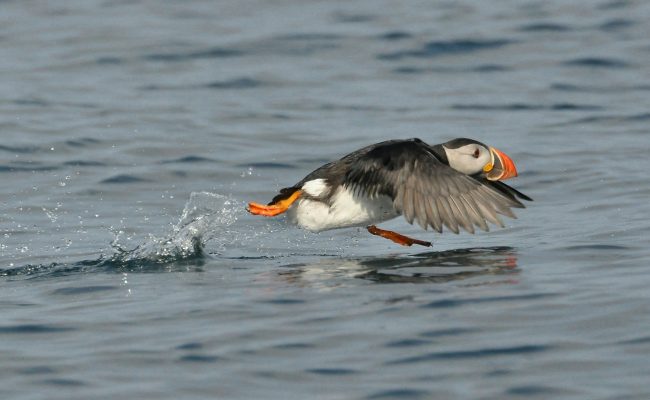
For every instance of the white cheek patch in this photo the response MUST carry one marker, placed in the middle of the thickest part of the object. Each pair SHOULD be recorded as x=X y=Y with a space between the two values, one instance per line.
x=462 y=159
x=457 y=160
x=316 y=188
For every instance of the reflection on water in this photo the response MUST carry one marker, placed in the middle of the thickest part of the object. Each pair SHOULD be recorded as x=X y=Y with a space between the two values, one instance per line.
x=428 y=267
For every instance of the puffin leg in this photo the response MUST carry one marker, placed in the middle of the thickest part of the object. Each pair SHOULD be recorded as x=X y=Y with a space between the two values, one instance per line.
x=397 y=237
x=273 y=209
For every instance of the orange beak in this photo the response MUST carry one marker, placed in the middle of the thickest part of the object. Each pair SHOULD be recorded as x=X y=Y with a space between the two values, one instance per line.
x=501 y=168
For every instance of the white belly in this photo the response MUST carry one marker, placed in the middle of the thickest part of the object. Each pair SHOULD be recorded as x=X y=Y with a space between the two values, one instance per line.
x=346 y=210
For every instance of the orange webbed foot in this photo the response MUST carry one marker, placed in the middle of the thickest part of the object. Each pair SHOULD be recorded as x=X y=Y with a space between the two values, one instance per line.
x=397 y=237
x=272 y=210
x=266 y=211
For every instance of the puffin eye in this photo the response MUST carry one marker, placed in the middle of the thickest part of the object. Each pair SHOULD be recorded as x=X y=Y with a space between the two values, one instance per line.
x=476 y=153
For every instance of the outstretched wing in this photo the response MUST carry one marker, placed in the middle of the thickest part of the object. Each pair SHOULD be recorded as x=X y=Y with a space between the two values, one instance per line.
x=428 y=191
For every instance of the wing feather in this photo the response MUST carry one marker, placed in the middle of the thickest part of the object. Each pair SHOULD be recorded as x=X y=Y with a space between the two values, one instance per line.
x=421 y=210
x=489 y=214
x=477 y=218
x=448 y=214
x=435 y=221
x=464 y=214
x=407 y=206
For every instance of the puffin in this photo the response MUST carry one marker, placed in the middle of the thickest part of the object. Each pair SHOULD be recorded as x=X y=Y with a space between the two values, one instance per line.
x=456 y=184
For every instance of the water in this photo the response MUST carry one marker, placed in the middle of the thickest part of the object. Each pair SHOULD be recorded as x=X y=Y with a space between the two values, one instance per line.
x=133 y=133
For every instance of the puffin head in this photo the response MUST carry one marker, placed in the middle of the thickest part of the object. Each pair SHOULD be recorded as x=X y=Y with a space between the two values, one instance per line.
x=472 y=157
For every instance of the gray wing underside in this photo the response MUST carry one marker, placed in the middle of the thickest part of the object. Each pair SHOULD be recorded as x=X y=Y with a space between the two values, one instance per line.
x=427 y=191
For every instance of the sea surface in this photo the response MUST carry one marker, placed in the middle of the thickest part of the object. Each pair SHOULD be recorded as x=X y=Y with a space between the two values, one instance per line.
x=132 y=134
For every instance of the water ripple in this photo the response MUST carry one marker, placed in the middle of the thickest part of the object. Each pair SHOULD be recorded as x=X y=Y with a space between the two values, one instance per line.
x=441 y=48
x=534 y=390
x=189 y=160
x=30 y=168
x=199 y=358
x=63 y=382
x=395 y=35
x=610 y=119
x=596 y=62
x=407 y=343
x=615 y=4
x=483 y=68
x=19 y=149
x=446 y=303
x=616 y=25
x=291 y=346
x=609 y=89
x=331 y=371
x=82 y=142
x=309 y=37
x=27 y=329
x=284 y=301
x=469 y=354
x=109 y=60
x=31 y=102
x=238 y=83
x=599 y=246
x=401 y=394
x=635 y=341
x=446 y=332
x=37 y=370
x=353 y=18
x=545 y=27
x=190 y=346
x=74 y=291
x=124 y=178
x=526 y=107
x=267 y=165
x=84 y=163
x=213 y=52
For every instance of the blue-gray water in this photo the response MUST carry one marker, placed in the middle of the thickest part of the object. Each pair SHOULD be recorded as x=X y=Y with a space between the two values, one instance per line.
x=134 y=132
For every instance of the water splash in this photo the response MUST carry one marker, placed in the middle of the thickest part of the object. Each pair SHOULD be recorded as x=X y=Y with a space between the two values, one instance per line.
x=206 y=217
